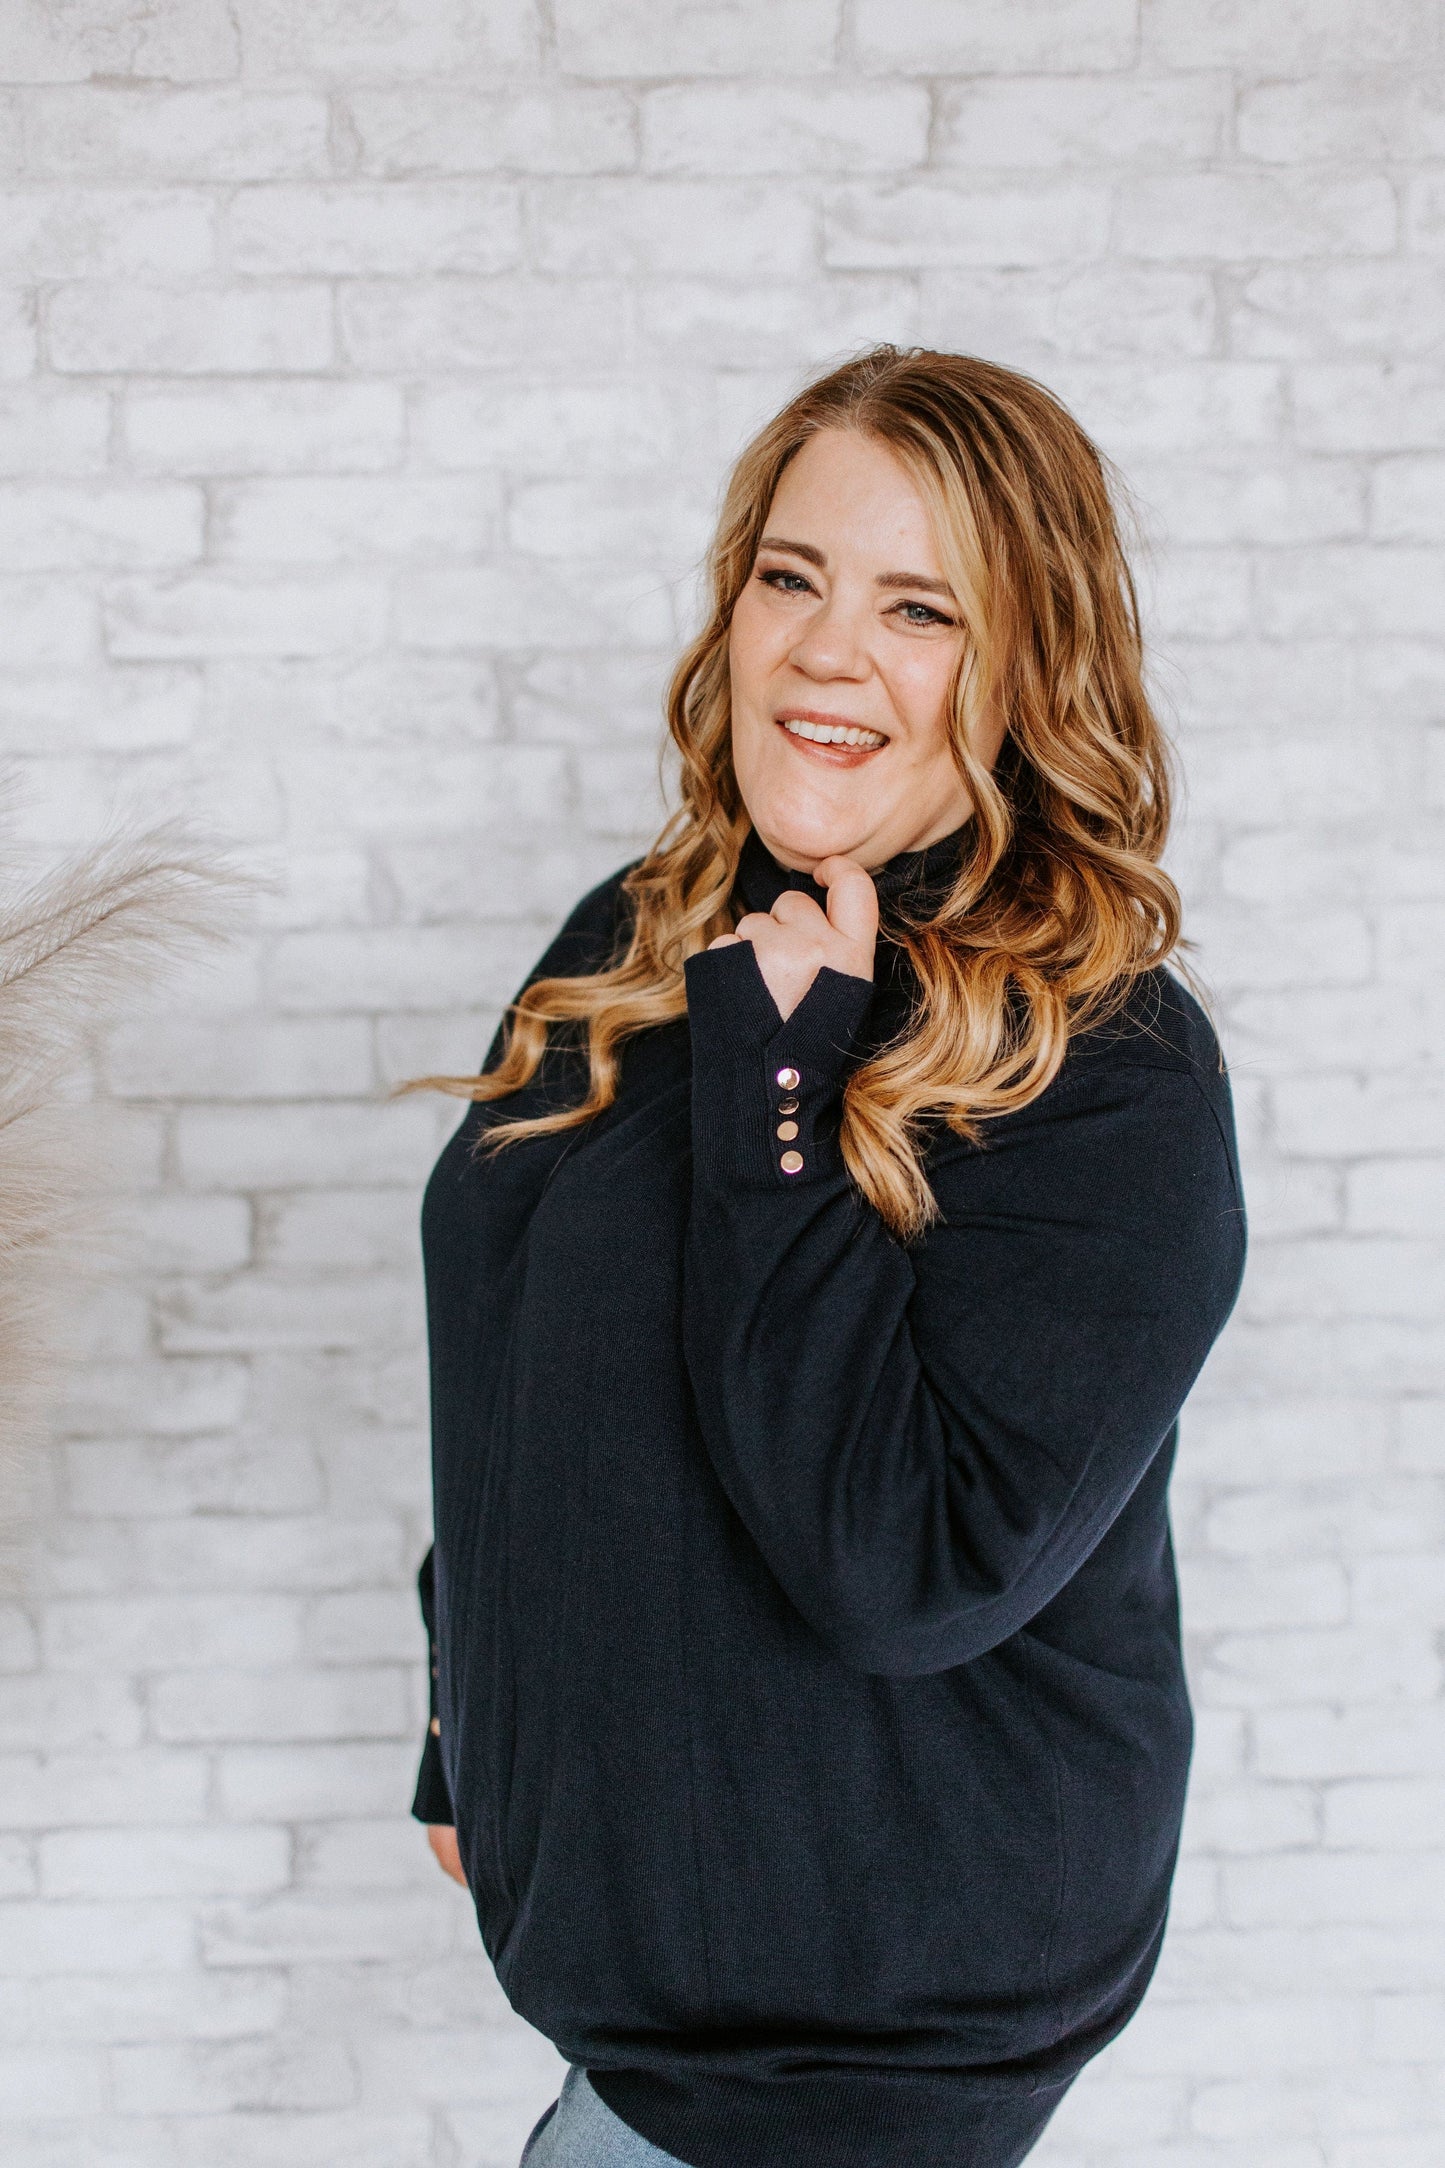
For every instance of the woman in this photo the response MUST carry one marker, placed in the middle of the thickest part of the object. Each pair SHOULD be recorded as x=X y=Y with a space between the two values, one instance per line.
x=844 y=1213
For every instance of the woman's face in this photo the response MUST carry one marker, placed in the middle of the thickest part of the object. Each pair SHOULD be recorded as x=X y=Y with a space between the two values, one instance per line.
x=846 y=625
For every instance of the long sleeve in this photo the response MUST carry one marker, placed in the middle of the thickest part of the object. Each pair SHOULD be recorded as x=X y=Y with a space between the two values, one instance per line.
x=926 y=1442
x=432 y=1801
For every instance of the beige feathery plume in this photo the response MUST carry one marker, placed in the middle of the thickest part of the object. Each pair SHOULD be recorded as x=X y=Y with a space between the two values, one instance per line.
x=75 y=945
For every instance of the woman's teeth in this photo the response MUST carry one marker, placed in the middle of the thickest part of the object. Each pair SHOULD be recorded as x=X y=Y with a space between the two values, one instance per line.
x=831 y=733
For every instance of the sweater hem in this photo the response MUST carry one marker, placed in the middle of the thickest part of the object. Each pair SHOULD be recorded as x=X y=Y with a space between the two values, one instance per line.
x=837 y=2119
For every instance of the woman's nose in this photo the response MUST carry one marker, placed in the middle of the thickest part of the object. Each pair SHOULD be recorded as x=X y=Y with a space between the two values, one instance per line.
x=831 y=644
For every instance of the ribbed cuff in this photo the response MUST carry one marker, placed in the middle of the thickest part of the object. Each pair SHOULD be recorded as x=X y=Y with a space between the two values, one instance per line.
x=755 y=1073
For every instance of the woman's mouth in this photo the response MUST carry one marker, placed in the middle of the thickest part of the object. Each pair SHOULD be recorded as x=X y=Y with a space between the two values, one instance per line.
x=842 y=744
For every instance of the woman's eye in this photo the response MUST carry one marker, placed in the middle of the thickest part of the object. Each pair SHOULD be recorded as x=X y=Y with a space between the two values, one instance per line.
x=788 y=583
x=919 y=613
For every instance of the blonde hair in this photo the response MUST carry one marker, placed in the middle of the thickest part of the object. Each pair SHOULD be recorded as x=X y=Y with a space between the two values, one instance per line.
x=1059 y=903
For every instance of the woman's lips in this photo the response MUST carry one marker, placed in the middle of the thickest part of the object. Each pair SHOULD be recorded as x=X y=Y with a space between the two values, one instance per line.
x=831 y=738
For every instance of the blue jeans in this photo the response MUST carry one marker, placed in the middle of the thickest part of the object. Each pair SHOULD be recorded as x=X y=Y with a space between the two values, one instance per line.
x=580 y=2131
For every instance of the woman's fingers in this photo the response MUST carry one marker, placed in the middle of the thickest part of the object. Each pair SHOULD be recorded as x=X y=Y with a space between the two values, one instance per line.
x=852 y=899
x=443 y=1840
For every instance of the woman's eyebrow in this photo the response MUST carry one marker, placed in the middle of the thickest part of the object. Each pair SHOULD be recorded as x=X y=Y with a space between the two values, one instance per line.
x=890 y=580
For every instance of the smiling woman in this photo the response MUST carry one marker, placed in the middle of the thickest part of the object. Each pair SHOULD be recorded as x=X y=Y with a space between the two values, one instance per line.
x=846 y=1207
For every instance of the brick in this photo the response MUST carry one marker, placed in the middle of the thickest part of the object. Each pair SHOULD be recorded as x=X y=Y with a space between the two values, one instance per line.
x=1268 y=2035
x=461 y=323
x=359 y=518
x=1054 y=121
x=303 y=1146
x=79 y=524
x=367 y=1855
x=110 y=133
x=512 y=604
x=165 y=1399
x=289 y=1553
x=71 y=1790
x=123 y=711
x=232 y=2076
x=157 y=1632
x=80 y=1714
x=17 y=335
x=1350 y=588
x=373 y=1626
x=1243 y=217
x=652 y=227
x=562 y=699
x=154 y=2006
x=720 y=37
x=1196 y=406
x=929 y=225
x=1033 y=318
x=539 y=428
x=1369 y=407
x=404 y=133
x=1400 y=1814
x=241 y=1058
x=405 y=969
x=448 y=878
x=107 y=233
x=1226 y=1594
x=335 y=788
x=212 y=614
x=264 y=429
x=1307 y=34
x=52 y=2082
x=1425 y=213
x=1406 y=499
x=1406 y=1588
x=256 y=1310
x=371 y=231
x=1400 y=1196
x=363 y=1229
x=180 y=1862
x=240 y=1707
x=755 y=322
x=226 y=1474
x=993 y=37
x=1329 y=1886
x=1422 y=1435
x=1380 y=119
x=19 y=1649
x=622 y=517
x=1318 y=1518
x=1301 y=1439
x=1321 y=1744
x=99 y=38
x=779 y=127
x=335 y=38
x=1263 y=500
x=1350 y=1117
x=1340 y=1665
x=91 y=329
x=46 y=623
x=1366 y=1276
x=332 y=709
x=1318 y=311
x=1248 y=1818
x=309 y=1782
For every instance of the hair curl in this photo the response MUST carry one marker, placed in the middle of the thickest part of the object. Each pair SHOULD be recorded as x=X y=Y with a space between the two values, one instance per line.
x=1060 y=902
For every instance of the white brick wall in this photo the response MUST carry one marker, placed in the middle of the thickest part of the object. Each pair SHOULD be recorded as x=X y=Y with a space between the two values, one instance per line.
x=367 y=372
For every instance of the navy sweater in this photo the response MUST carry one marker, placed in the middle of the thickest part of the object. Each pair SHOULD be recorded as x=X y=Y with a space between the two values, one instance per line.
x=808 y=1689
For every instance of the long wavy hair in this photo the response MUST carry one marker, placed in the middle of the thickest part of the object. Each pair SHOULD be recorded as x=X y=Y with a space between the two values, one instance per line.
x=1059 y=903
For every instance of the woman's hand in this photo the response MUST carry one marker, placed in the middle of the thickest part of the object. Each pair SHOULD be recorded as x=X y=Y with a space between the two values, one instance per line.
x=443 y=1840
x=795 y=939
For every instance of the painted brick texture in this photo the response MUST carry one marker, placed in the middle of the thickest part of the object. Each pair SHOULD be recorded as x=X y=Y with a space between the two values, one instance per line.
x=367 y=373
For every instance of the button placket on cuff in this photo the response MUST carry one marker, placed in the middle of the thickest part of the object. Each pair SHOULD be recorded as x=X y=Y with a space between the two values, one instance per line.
x=787 y=1080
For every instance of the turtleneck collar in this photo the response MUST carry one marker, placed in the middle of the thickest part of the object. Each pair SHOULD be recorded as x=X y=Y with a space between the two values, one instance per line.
x=905 y=881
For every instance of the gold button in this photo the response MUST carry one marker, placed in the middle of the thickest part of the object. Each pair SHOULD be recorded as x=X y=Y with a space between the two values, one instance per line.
x=791 y=1162
x=787 y=1131
x=787 y=1106
x=436 y=1727
x=788 y=1079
